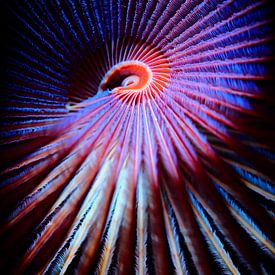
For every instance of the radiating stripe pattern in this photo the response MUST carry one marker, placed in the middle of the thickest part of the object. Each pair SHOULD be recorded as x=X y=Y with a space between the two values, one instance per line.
x=138 y=137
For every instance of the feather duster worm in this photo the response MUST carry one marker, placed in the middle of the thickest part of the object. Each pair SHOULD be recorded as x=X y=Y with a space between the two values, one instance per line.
x=137 y=137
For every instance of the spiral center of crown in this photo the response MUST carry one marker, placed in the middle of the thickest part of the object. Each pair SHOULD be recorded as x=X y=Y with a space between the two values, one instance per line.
x=126 y=76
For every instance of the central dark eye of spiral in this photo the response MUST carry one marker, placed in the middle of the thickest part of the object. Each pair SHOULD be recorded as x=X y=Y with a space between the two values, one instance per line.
x=143 y=72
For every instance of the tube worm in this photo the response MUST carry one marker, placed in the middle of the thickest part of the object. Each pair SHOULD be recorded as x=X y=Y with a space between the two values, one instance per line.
x=137 y=137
